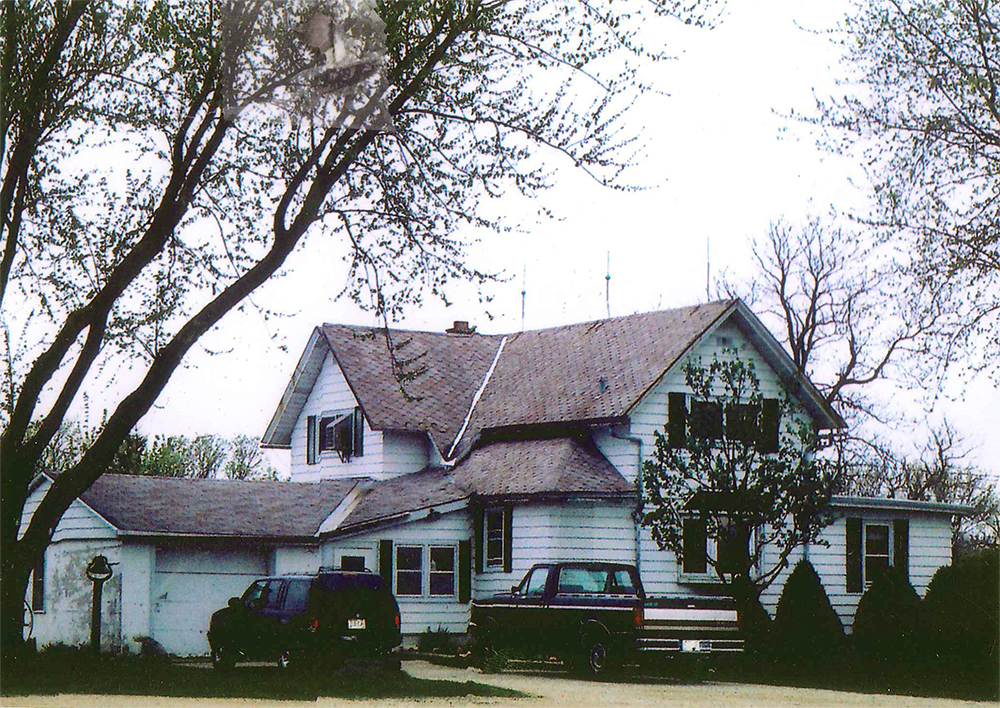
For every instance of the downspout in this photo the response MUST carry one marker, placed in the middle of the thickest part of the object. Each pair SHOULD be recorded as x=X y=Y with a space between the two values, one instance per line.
x=638 y=496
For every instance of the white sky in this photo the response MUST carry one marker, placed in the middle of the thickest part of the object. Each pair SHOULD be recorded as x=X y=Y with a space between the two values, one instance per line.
x=726 y=164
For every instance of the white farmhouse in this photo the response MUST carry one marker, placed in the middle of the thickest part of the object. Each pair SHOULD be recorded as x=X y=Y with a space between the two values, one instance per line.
x=497 y=452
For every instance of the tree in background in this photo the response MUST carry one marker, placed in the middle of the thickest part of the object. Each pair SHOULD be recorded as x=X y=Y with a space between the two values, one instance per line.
x=938 y=473
x=207 y=455
x=242 y=127
x=246 y=461
x=852 y=319
x=732 y=475
x=921 y=114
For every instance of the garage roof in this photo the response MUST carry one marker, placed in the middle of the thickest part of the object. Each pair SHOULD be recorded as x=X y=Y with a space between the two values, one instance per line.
x=170 y=506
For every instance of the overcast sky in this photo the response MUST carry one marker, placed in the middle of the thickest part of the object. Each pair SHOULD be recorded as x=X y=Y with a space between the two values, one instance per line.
x=723 y=161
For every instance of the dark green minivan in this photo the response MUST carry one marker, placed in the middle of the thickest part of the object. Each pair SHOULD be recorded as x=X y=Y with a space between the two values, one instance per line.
x=321 y=618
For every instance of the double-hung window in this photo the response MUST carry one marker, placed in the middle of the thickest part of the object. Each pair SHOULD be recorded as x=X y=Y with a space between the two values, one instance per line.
x=877 y=557
x=494 y=538
x=426 y=571
x=872 y=547
x=442 y=570
x=409 y=570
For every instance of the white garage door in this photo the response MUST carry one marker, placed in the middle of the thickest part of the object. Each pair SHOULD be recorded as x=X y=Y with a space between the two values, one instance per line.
x=190 y=584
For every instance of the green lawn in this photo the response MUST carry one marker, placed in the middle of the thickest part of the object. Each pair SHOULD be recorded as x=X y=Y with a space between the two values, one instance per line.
x=71 y=671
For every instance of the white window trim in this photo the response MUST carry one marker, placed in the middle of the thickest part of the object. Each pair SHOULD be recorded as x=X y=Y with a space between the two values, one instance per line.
x=338 y=415
x=487 y=565
x=866 y=582
x=425 y=571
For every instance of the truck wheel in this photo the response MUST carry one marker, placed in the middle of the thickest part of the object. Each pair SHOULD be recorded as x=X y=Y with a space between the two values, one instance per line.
x=596 y=656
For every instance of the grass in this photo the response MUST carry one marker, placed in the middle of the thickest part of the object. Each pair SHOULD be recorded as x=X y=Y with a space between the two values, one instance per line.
x=65 y=670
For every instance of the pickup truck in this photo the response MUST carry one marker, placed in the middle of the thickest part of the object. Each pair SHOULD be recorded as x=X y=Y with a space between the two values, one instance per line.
x=587 y=614
x=596 y=616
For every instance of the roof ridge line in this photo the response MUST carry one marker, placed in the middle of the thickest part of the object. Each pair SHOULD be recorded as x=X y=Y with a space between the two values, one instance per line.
x=475 y=399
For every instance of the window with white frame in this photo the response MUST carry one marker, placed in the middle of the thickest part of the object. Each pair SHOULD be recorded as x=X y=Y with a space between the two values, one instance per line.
x=426 y=571
x=409 y=570
x=340 y=432
x=877 y=550
x=442 y=570
x=493 y=537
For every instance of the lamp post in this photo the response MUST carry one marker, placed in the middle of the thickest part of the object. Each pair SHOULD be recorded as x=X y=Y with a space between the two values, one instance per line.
x=99 y=571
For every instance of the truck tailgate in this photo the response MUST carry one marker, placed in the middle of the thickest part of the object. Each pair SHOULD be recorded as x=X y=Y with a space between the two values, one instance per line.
x=692 y=624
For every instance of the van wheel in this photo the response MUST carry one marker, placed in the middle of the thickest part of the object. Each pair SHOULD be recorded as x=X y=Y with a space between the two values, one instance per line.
x=223 y=658
x=289 y=661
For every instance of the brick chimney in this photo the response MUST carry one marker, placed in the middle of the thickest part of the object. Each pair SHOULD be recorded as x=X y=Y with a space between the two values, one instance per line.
x=460 y=327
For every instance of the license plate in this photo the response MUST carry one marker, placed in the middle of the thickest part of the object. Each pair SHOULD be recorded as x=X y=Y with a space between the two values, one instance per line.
x=696 y=645
x=355 y=624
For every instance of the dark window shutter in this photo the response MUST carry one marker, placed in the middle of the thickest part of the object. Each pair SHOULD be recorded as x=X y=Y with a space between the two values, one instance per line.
x=694 y=546
x=854 y=558
x=385 y=561
x=769 y=417
x=676 y=420
x=311 y=440
x=901 y=545
x=464 y=571
x=359 y=432
x=478 y=539
x=508 y=539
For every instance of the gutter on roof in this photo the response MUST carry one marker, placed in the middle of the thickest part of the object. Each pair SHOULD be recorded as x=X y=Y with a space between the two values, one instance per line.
x=899 y=505
x=475 y=399
x=305 y=540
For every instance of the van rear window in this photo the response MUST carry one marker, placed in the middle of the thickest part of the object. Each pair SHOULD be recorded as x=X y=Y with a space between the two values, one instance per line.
x=351 y=581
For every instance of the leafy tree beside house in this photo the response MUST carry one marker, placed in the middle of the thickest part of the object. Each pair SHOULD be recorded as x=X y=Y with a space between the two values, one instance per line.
x=731 y=474
x=227 y=114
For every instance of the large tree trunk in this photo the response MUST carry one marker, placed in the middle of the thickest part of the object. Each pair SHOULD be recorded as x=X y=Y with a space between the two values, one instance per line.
x=18 y=562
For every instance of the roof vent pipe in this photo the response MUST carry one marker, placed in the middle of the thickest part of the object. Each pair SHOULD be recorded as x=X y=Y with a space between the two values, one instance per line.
x=460 y=327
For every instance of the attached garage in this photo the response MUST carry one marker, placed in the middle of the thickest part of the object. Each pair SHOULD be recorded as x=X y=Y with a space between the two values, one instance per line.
x=180 y=547
x=188 y=585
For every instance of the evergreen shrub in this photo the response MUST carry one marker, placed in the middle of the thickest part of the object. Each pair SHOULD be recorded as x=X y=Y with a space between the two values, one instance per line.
x=807 y=632
x=886 y=630
x=961 y=617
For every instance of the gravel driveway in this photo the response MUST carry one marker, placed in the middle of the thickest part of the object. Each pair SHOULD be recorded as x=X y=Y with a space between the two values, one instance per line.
x=556 y=690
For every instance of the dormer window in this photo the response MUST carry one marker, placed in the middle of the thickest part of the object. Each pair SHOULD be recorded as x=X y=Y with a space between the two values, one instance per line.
x=341 y=432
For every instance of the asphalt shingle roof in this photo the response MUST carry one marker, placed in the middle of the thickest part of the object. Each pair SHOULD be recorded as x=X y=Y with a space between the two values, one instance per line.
x=563 y=466
x=585 y=371
x=169 y=505
x=455 y=366
x=555 y=466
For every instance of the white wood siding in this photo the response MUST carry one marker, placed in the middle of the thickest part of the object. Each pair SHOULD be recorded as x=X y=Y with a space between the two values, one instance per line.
x=571 y=530
x=658 y=568
x=386 y=454
x=930 y=549
x=69 y=595
x=417 y=614
x=296 y=559
x=79 y=522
